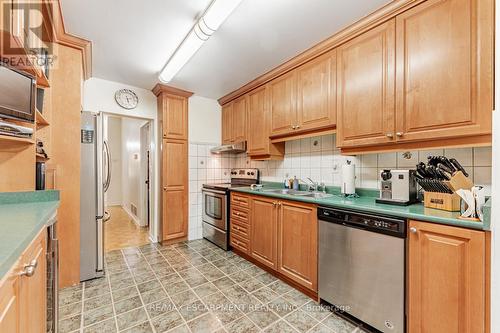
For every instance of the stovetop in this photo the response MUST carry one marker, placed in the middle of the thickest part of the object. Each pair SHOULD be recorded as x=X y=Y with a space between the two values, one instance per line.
x=239 y=178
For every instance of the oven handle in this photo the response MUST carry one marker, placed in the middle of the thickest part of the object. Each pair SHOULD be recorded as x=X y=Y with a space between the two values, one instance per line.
x=213 y=191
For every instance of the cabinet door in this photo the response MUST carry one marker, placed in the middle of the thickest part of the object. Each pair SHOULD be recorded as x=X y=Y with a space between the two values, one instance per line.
x=174 y=117
x=33 y=289
x=444 y=69
x=175 y=190
x=298 y=243
x=239 y=120
x=446 y=276
x=9 y=303
x=263 y=223
x=227 y=123
x=365 y=88
x=282 y=103
x=316 y=93
x=175 y=214
x=258 y=123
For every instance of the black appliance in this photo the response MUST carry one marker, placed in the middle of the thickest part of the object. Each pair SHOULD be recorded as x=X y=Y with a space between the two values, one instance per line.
x=17 y=94
x=40 y=176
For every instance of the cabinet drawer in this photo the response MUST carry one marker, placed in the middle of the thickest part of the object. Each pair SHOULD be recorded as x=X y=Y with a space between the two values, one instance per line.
x=240 y=229
x=240 y=200
x=239 y=243
x=240 y=214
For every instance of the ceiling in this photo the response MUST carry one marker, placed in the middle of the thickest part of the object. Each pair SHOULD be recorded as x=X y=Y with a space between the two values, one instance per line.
x=133 y=39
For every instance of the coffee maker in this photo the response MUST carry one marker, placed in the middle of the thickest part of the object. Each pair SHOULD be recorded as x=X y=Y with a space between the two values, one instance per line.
x=398 y=187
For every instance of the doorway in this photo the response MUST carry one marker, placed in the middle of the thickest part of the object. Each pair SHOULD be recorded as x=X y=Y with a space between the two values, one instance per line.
x=128 y=198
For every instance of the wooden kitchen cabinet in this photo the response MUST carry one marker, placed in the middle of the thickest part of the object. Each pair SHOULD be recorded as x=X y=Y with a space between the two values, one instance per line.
x=239 y=120
x=298 y=243
x=227 y=123
x=279 y=234
x=446 y=279
x=444 y=70
x=283 y=103
x=172 y=114
x=259 y=145
x=23 y=301
x=316 y=89
x=175 y=116
x=365 y=88
x=263 y=230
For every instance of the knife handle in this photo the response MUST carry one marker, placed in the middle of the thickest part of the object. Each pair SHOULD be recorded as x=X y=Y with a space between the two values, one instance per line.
x=458 y=166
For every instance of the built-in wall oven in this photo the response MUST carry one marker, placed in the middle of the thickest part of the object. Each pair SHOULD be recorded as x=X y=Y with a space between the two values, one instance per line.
x=215 y=205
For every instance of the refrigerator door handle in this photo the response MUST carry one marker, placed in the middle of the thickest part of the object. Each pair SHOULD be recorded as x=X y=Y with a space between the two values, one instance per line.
x=99 y=165
x=107 y=163
x=100 y=245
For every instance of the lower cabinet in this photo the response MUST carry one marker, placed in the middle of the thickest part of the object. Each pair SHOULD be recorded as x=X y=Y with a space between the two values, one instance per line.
x=283 y=237
x=263 y=227
x=23 y=296
x=298 y=243
x=446 y=279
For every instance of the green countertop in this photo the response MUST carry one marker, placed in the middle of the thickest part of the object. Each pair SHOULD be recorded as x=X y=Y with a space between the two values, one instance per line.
x=366 y=203
x=22 y=216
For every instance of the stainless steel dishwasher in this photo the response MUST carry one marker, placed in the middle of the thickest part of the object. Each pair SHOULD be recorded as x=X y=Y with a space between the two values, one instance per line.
x=362 y=266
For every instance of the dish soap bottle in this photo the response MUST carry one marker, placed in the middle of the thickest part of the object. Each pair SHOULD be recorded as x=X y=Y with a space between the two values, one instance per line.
x=285 y=182
x=295 y=183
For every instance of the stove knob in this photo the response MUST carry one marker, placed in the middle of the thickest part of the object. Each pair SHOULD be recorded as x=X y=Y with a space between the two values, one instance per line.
x=248 y=173
x=252 y=173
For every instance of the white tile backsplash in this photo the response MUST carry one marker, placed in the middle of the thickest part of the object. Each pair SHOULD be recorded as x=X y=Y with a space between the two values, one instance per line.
x=319 y=159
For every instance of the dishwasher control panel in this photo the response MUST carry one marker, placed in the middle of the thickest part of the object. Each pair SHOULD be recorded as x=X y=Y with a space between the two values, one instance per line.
x=381 y=224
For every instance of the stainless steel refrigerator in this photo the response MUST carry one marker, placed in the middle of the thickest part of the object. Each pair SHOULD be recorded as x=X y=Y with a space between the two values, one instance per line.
x=95 y=177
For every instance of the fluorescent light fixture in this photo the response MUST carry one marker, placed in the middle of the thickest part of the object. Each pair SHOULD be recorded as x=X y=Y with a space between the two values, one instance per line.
x=216 y=13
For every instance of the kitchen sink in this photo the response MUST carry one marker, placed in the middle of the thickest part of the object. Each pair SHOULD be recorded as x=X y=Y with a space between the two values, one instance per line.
x=318 y=195
x=315 y=195
x=288 y=191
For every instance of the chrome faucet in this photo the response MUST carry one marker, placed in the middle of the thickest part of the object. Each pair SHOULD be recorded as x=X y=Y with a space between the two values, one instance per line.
x=313 y=186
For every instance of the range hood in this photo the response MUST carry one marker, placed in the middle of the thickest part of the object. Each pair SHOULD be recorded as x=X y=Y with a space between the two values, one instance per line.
x=235 y=148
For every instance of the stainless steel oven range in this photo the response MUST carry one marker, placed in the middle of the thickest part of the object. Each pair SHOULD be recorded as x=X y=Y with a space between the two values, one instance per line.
x=215 y=203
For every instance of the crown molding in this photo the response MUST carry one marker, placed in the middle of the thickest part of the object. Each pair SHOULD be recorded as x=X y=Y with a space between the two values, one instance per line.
x=162 y=88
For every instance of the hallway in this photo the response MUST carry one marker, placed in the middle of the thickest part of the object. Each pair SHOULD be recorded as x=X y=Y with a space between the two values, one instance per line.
x=120 y=231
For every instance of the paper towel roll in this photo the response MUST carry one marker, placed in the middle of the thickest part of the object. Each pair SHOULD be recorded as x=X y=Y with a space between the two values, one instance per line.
x=348 y=179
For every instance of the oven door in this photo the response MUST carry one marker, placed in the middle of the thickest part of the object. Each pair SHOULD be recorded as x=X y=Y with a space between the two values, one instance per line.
x=214 y=208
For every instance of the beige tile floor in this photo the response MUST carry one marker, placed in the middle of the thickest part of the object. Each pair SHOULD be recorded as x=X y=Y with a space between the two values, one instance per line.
x=120 y=231
x=190 y=287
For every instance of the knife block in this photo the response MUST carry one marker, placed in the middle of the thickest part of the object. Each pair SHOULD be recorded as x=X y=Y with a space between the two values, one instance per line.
x=443 y=201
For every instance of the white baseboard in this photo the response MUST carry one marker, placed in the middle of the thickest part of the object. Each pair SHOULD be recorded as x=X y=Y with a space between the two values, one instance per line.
x=132 y=216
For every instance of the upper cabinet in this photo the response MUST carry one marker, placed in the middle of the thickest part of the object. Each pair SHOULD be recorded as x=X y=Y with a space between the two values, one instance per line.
x=227 y=123
x=175 y=116
x=282 y=103
x=234 y=121
x=365 y=88
x=259 y=145
x=239 y=120
x=316 y=89
x=417 y=77
x=444 y=70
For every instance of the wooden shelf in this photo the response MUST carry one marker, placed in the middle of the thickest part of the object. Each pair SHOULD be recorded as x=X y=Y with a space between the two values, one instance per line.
x=8 y=142
x=40 y=120
x=41 y=158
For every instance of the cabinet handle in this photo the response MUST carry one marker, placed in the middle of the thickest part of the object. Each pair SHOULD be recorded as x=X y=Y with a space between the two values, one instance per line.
x=279 y=203
x=389 y=135
x=293 y=127
x=399 y=134
x=164 y=188
x=413 y=230
x=28 y=270
x=297 y=127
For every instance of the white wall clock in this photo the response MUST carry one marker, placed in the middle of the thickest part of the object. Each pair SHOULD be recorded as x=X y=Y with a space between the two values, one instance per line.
x=127 y=99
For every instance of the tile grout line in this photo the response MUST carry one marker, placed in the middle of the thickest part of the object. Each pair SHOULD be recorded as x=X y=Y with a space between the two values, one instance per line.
x=111 y=292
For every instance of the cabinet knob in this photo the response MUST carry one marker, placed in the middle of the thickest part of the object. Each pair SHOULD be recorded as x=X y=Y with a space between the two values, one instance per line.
x=28 y=270
x=279 y=203
x=164 y=188
x=399 y=134
x=413 y=230
x=293 y=126
x=389 y=135
x=297 y=127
